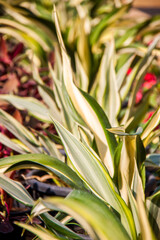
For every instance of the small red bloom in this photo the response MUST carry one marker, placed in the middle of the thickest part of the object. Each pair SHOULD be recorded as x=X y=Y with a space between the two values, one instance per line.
x=129 y=71
x=147 y=85
x=150 y=77
x=149 y=43
x=148 y=116
x=139 y=96
x=149 y=81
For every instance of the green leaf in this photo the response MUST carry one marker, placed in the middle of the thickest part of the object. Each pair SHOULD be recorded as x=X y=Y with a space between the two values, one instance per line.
x=70 y=107
x=81 y=76
x=134 y=209
x=140 y=152
x=130 y=34
x=132 y=153
x=27 y=40
x=50 y=146
x=66 y=119
x=153 y=206
x=41 y=232
x=32 y=105
x=30 y=30
x=106 y=21
x=89 y=113
x=94 y=174
x=11 y=144
x=127 y=165
x=139 y=113
x=46 y=93
x=54 y=224
x=16 y=190
x=141 y=70
x=146 y=230
x=149 y=127
x=107 y=93
x=18 y=130
x=92 y=213
x=117 y=157
x=126 y=86
x=122 y=72
x=44 y=162
x=153 y=160
x=83 y=47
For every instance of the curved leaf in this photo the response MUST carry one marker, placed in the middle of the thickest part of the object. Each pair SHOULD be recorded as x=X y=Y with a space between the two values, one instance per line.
x=86 y=110
x=153 y=206
x=48 y=163
x=32 y=105
x=92 y=213
x=41 y=232
x=19 y=131
x=149 y=127
x=16 y=190
x=90 y=168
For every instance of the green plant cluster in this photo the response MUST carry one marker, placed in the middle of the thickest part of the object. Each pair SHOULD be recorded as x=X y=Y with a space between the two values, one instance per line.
x=92 y=105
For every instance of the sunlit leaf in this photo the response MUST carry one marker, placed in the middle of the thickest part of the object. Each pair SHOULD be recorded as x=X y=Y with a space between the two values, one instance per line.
x=153 y=206
x=27 y=40
x=130 y=34
x=94 y=174
x=83 y=48
x=18 y=130
x=140 y=112
x=92 y=213
x=127 y=164
x=16 y=190
x=11 y=144
x=54 y=224
x=146 y=230
x=41 y=232
x=29 y=30
x=91 y=115
x=106 y=21
x=83 y=81
x=107 y=92
x=140 y=73
x=46 y=93
x=150 y=125
x=50 y=146
x=44 y=162
x=121 y=74
x=134 y=209
x=34 y=106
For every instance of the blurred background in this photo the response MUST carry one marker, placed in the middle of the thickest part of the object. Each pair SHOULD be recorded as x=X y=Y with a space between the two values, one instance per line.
x=151 y=7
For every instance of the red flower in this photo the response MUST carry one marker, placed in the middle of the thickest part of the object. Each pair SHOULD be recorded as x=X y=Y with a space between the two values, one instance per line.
x=129 y=71
x=149 y=81
x=147 y=85
x=149 y=77
x=148 y=116
x=139 y=96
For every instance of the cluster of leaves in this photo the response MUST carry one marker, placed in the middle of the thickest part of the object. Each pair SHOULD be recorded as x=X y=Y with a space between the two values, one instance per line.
x=105 y=160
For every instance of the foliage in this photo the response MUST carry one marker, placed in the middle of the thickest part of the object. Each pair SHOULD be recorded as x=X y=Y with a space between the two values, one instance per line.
x=105 y=159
